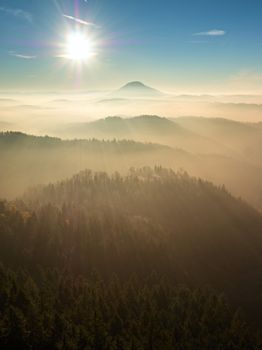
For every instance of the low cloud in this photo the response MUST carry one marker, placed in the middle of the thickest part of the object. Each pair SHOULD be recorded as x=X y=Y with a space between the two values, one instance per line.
x=213 y=32
x=25 y=57
x=27 y=16
x=78 y=20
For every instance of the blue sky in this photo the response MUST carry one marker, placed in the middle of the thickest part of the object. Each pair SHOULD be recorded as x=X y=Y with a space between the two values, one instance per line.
x=170 y=44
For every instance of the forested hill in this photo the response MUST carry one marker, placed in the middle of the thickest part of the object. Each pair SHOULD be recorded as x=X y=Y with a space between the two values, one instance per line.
x=96 y=262
x=159 y=220
x=28 y=160
x=10 y=140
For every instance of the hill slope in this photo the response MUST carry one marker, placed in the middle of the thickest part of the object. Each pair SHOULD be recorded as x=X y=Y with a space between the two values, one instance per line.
x=145 y=128
x=98 y=260
x=150 y=220
x=244 y=138
x=30 y=160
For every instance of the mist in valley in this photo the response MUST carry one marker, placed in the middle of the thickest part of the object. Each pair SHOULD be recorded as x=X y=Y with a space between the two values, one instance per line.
x=214 y=147
x=129 y=188
x=130 y=175
x=42 y=113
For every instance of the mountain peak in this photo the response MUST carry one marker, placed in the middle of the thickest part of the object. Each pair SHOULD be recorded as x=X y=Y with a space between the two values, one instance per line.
x=135 y=84
x=137 y=89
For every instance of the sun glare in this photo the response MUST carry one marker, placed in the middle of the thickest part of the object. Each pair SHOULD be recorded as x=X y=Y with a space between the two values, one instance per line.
x=79 y=47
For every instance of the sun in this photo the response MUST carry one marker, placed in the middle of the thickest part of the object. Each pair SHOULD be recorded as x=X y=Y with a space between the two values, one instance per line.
x=79 y=47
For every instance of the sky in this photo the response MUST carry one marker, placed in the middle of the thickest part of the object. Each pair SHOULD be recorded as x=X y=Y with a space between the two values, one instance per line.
x=175 y=45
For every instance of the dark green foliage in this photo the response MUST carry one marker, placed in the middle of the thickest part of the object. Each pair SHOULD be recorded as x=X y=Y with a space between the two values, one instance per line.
x=162 y=228
x=58 y=311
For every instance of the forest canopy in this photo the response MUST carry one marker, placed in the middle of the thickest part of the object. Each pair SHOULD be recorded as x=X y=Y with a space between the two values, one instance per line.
x=149 y=232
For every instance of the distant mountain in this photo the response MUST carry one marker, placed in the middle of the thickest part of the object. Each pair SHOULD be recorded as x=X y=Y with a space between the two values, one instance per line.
x=245 y=139
x=136 y=89
x=28 y=160
x=147 y=124
x=47 y=159
x=144 y=128
x=118 y=127
x=24 y=142
x=220 y=126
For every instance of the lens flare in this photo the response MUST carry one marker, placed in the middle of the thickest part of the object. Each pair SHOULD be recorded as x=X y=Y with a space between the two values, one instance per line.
x=79 y=47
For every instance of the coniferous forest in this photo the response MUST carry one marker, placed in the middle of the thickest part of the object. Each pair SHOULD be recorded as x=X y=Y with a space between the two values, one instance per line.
x=130 y=175
x=154 y=259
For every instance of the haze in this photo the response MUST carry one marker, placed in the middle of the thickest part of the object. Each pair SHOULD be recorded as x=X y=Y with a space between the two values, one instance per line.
x=130 y=177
